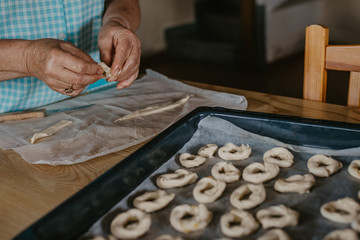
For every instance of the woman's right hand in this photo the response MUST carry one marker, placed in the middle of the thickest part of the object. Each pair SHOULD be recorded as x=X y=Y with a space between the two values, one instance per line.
x=61 y=65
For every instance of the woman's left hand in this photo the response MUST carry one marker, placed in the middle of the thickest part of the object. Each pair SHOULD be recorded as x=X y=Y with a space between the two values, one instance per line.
x=120 y=49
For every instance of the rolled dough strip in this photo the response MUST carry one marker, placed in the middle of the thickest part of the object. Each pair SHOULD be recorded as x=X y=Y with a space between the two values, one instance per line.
x=50 y=130
x=153 y=109
x=107 y=70
x=22 y=115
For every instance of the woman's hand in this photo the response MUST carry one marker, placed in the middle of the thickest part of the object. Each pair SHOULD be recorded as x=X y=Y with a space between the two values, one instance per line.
x=120 y=49
x=61 y=65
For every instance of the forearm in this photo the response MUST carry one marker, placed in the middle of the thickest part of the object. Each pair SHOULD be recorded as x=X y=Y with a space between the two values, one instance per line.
x=12 y=58
x=125 y=12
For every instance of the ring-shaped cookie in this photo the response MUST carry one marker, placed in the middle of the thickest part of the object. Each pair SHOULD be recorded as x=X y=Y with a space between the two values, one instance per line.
x=275 y=234
x=343 y=210
x=295 y=183
x=153 y=201
x=189 y=218
x=238 y=223
x=225 y=172
x=208 y=150
x=354 y=169
x=130 y=224
x=278 y=216
x=259 y=173
x=323 y=166
x=279 y=156
x=208 y=189
x=255 y=194
x=189 y=161
x=231 y=151
x=168 y=237
x=179 y=178
x=342 y=234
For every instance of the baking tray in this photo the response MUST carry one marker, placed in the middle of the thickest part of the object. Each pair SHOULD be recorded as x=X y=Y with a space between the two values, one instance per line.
x=76 y=215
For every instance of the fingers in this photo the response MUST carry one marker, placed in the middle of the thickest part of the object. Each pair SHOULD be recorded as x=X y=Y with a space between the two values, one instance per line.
x=79 y=65
x=64 y=87
x=126 y=83
x=76 y=52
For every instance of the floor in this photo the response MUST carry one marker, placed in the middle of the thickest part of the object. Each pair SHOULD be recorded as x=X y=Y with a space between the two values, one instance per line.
x=284 y=77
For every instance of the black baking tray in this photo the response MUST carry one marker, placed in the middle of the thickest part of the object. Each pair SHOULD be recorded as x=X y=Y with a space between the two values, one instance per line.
x=76 y=215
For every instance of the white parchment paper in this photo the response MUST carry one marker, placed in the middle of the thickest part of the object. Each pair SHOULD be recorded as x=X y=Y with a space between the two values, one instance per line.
x=94 y=133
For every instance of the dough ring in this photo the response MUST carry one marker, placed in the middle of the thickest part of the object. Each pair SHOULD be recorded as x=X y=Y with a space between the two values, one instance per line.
x=168 y=237
x=189 y=161
x=354 y=169
x=208 y=150
x=356 y=223
x=179 y=178
x=189 y=218
x=208 y=189
x=130 y=224
x=278 y=216
x=342 y=234
x=225 y=172
x=260 y=173
x=238 y=223
x=256 y=197
x=295 y=183
x=323 y=166
x=233 y=152
x=279 y=156
x=275 y=234
x=343 y=210
x=153 y=201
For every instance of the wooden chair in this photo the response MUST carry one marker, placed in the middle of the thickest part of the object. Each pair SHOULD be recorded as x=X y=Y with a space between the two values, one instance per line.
x=320 y=57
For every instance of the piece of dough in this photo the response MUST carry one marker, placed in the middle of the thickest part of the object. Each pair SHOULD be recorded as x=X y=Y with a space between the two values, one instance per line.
x=208 y=189
x=208 y=150
x=231 y=151
x=153 y=201
x=275 y=234
x=50 y=130
x=279 y=156
x=342 y=234
x=323 y=166
x=130 y=224
x=354 y=169
x=238 y=223
x=225 y=172
x=107 y=70
x=257 y=196
x=278 y=216
x=179 y=178
x=189 y=161
x=355 y=224
x=259 y=173
x=154 y=109
x=295 y=183
x=189 y=218
x=343 y=210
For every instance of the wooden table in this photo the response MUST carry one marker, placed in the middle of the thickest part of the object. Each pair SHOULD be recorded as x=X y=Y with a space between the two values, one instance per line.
x=27 y=192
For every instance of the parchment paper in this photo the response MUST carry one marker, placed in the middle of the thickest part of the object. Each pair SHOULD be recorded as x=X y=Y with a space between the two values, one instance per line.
x=94 y=133
x=215 y=130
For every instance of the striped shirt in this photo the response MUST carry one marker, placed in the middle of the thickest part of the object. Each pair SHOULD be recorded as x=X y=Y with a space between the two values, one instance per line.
x=76 y=21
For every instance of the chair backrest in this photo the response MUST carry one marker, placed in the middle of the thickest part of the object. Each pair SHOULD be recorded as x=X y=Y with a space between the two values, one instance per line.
x=320 y=57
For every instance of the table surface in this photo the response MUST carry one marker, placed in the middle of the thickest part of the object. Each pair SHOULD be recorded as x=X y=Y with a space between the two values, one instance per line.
x=27 y=192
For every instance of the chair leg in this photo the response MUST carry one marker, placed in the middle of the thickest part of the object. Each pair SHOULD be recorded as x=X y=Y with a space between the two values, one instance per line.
x=354 y=90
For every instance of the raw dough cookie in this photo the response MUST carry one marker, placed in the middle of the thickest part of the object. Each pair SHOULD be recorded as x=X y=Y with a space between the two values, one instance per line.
x=208 y=189
x=354 y=169
x=233 y=152
x=342 y=234
x=189 y=161
x=257 y=196
x=279 y=156
x=295 y=183
x=278 y=216
x=189 y=218
x=208 y=150
x=356 y=223
x=153 y=201
x=238 y=223
x=323 y=166
x=168 y=237
x=343 y=210
x=50 y=130
x=179 y=178
x=225 y=172
x=260 y=173
x=107 y=70
x=130 y=224
x=275 y=234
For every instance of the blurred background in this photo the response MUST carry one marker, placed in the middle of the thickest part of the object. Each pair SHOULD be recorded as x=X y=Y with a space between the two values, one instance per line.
x=248 y=44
